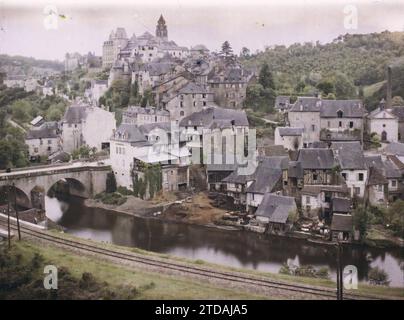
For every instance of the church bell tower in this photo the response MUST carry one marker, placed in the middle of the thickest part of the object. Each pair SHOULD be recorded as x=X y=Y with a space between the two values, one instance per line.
x=161 y=29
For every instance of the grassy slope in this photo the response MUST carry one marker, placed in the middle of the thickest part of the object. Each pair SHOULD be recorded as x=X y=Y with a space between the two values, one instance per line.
x=363 y=289
x=165 y=286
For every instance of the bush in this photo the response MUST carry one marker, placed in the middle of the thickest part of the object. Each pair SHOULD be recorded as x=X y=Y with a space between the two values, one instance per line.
x=124 y=191
x=378 y=277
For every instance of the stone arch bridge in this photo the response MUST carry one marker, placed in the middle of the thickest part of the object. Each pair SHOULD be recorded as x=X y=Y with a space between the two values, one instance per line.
x=85 y=179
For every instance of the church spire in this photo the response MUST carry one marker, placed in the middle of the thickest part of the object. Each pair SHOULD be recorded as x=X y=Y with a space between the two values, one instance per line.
x=161 y=29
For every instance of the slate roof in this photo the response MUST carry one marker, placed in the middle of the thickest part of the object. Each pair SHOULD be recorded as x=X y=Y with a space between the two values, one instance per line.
x=276 y=207
x=316 y=158
x=316 y=189
x=266 y=179
x=74 y=114
x=221 y=167
x=329 y=108
x=376 y=177
x=341 y=205
x=192 y=87
x=394 y=148
x=342 y=222
x=306 y=104
x=398 y=112
x=146 y=128
x=130 y=133
x=282 y=102
x=134 y=110
x=43 y=133
x=290 y=131
x=349 y=108
x=391 y=171
x=349 y=155
x=208 y=116
x=275 y=150
x=295 y=170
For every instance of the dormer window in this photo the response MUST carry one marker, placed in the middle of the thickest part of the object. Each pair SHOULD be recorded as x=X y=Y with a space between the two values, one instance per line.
x=340 y=114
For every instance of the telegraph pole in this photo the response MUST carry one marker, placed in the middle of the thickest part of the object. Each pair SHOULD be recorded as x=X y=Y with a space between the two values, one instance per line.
x=8 y=218
x=340 y=276
x=16 y=212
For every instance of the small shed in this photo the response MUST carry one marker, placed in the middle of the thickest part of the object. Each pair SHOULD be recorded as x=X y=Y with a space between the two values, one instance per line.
x=342 y=228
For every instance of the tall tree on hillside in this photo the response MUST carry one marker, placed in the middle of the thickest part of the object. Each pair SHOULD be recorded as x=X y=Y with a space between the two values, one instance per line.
x=265 y=77
x=227 y=53
x=226 y=49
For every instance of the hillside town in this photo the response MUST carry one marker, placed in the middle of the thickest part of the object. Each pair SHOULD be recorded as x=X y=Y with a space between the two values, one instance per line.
x=327 y=158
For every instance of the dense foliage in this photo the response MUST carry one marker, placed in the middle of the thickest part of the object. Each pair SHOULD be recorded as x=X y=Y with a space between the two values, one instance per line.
x=342 y=69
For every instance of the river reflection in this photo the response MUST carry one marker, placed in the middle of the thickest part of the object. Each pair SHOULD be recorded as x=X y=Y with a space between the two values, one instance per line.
x=231 y=248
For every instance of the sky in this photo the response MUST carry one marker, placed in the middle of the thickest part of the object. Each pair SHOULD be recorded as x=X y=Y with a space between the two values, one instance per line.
x=255 y=24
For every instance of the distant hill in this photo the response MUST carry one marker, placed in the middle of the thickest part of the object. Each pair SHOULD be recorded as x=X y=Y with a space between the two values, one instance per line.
x=362 y=58
x=14 y=65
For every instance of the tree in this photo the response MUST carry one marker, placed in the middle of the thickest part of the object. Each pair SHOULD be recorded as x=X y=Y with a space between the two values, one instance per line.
x=265 y=77
x=326 y=87
x=344 y=87
x=361 y=220
x=110 y=183
x=226 y=49
x=397 y=101
x=245 y=53
x=395 y=217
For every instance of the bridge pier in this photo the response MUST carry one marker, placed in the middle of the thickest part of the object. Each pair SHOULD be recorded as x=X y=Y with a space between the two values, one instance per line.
x=38 y=198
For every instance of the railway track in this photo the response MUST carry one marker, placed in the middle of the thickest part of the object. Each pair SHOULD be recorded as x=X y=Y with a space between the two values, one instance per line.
x=182 y=268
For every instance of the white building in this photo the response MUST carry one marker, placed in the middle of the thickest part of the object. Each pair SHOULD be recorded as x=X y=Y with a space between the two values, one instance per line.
x=98 y=88
x=85 y=125
x=384 y=123
x=138 y=115
x=42 y=142
x=350 y=158
x=288 y=137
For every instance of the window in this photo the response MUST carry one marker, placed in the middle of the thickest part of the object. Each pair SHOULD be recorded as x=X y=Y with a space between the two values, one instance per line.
x=313 y=127
x=315 y=176
x=49 y=141
x=307 y=200
x=340 y=114
x=351 y=124
x=344 y=175
x=328 y=124
x=204 y=103
x=357 y=190
x=181 y=104
x=340 y=124
x=380 y=187
x=360 y=177
x=204 y=95
x=49 y=148
x=394 y=183
x=36 y=150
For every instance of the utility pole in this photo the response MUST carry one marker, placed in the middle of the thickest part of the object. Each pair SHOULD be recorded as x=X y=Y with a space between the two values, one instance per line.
x=8 y=218
x=16 y=212
x=340 y=276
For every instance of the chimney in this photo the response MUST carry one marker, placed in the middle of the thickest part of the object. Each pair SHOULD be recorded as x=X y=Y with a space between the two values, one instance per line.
x=388 y=94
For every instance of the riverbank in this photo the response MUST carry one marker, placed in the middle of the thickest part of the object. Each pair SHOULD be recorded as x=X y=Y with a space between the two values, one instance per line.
x=198 y=210
x=195 y=210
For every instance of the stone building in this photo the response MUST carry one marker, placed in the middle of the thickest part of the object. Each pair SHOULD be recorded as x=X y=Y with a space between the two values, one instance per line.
x=134 y=148
x=86 y=125
x=288 y=137
x=138 y=115
x=384 y=123
x=42 y=142
x=305 y=113
x=110 y=50
x=187 y=100
x=350 y=158
x=229 y=85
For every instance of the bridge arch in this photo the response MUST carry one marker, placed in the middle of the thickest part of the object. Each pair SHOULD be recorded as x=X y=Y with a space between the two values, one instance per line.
x=12 y=193
x=71 y=186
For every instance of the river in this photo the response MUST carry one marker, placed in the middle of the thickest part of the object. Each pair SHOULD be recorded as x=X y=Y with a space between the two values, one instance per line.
x=231 y=248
